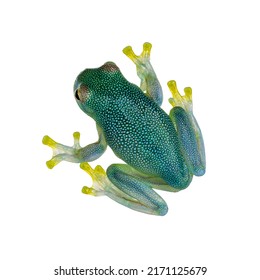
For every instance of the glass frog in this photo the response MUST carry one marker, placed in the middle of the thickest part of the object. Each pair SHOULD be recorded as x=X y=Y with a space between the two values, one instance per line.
x=160 y=151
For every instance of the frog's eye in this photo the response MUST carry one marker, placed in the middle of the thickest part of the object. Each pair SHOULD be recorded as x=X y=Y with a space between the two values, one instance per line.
x=82 y=93
x=77 y=94
x=110 y=67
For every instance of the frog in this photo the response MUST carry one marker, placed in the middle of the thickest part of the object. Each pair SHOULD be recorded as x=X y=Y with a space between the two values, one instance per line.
x=160 y=151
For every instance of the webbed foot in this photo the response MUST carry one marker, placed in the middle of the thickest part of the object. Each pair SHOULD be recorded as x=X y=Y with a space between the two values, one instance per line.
x=143 y=58
x=99 y=179
x=62 y=152
x=184 y=101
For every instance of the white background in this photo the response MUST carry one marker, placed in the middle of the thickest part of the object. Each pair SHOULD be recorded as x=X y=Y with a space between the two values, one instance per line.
x=212 y=46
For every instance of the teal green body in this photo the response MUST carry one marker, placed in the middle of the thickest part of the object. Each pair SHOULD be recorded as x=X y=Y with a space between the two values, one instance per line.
x=160 y=151
x=135 y=127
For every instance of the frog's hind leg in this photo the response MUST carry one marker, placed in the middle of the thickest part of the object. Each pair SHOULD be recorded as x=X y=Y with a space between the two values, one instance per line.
x=149 y=82
x=187 y=128
x=123 y=184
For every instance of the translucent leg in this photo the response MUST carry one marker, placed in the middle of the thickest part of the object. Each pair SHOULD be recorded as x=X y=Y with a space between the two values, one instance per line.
x=149 y=82
x=123 y=186
x=187 y=127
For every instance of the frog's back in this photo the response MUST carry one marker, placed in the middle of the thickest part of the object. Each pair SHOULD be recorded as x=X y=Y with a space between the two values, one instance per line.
x=135 y=127
x=140 y=132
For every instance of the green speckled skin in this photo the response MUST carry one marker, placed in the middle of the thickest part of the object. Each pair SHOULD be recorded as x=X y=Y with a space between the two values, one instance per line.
x=160 y=151
x=136 y=128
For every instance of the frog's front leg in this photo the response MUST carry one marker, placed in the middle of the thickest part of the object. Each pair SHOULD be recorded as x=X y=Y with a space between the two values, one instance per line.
x=187 y=128
x=149 y=82
x=126 y=186
x=75 y=153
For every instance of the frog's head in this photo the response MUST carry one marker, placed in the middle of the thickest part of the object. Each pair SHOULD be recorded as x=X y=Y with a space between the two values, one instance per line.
x=92 y=84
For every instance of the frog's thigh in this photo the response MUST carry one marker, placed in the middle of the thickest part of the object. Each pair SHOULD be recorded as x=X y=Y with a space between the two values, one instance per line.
x=191 y=139
x=142 y=197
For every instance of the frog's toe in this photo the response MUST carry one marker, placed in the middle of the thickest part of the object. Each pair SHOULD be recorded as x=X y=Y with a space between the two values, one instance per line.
x=52 y=162
x=47 y=140
x=128 y=51
x=76 y=137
